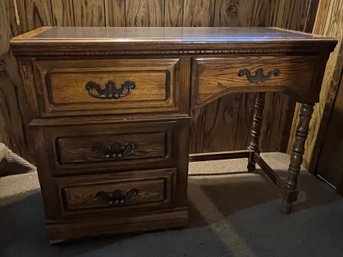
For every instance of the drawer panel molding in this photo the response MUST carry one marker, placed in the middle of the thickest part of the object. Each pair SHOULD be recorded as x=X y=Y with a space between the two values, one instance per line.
x=94 y=148
x=114 y=86
x=295 y=76
x=115 y=194
x=117 y=191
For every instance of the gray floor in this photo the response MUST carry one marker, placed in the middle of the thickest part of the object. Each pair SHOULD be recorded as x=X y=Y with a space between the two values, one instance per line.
x=231 y=215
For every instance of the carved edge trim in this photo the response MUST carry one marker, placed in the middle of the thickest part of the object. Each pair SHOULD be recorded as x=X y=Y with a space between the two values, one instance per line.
x=90 y=52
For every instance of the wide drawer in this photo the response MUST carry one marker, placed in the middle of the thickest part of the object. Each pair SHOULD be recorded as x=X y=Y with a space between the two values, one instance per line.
x=151 y=189
x=294 y=75
x=97 y=148
x=80 y=87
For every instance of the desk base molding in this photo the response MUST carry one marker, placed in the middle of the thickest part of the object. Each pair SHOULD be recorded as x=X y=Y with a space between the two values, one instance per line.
x=64 y=231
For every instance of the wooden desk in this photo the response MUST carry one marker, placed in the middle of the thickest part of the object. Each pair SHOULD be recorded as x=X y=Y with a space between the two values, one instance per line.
x=109 y=108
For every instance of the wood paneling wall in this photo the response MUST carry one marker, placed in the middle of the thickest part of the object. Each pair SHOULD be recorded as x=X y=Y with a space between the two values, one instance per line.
x=329 y=22
x=222 y=125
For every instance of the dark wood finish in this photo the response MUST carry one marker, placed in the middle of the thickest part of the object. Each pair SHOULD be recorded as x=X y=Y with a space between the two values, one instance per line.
x=59 y=232
x=256 y=131
x=270 y=173
x=86 y=146
x=81 y=195
x=306 y=111
x=89 y=148
x=155 y=86
x=120 y=41
x=220 y=76
x=70 y=148
x=95 y=196
x=198 y=157
x=20 y=16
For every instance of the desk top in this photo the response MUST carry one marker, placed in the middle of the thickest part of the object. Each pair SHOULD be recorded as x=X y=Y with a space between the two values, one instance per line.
x=185 y=34
x=175 y=38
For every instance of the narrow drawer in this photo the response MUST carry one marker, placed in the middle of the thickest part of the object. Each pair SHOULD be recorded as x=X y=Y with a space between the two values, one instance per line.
x=99 y=148
x=151 y=189
x=112 y=147
x=81 y=87
x=213 y=77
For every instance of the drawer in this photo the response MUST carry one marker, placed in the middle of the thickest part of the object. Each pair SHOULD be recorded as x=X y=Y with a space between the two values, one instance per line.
x=112 y=147
x=214 y=77
x=80 y=87
x=98 y=148
x=151 y=189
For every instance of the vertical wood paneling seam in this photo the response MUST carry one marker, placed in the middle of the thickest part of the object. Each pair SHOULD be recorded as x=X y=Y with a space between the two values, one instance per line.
x=328 y=24
x=307 y=15
x=290 y=18
x=183 y=10
x=16 y=11
x=212 y=12
x=163 y=11
x=73 y=9
x=313 y=10
x=26 y=23
x=125 y=12
x=183 y=14
x=164 y=14
x=53 y=20
x=252 y=13
x=104 y=12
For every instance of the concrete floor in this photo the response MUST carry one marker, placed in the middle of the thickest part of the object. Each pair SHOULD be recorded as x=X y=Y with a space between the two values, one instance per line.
x=231 y=214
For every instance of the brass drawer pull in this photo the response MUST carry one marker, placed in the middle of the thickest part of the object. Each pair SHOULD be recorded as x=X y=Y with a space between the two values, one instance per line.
x=258 y=76
x=118 y=197
x=110 y=91
x=115 y=150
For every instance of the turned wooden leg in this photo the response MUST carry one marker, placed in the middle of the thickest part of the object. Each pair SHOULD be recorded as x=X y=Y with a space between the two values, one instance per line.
x=297 y=157
x=256 y=131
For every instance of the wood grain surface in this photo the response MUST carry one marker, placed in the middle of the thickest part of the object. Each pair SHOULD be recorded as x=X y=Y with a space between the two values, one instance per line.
x=329 y=22
x=221 y=125
x=219 y=76
x=89 y=13
x=80 y=149
x=63 y=85
x=84 y=196
x=70 y=148
x=330 y=161
x=11 y=89
x=155 y=189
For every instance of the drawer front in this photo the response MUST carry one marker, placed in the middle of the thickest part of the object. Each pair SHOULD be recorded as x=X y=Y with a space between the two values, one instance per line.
x=76 y=87
x=152 y=189
x=213 y=77
x=112 y=147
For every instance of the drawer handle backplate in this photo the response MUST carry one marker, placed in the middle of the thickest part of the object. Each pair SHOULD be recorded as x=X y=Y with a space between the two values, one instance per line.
x=258 y=76
x=115 y=150
x=110 y=91
x=118 y=197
